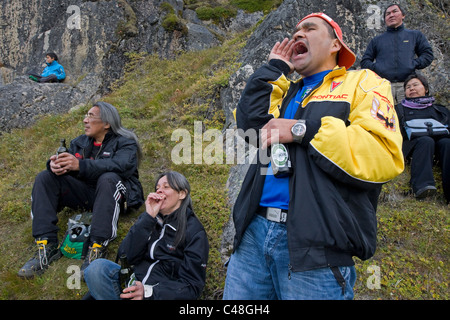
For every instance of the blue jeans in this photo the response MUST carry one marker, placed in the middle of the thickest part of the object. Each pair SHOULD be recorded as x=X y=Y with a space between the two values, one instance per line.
x=102 y=279
x=259 y=270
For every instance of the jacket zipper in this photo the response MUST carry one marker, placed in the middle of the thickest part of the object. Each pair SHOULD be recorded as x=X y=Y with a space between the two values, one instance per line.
x=96 y=156
x=152 y=251
x=152 y=248
x=144 y=281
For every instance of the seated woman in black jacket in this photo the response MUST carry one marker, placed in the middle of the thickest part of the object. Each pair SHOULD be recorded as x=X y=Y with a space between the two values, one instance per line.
x=424 y=139
x=167 y=247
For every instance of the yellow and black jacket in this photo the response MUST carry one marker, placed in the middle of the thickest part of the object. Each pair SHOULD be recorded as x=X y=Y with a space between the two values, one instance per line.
x=351 y=147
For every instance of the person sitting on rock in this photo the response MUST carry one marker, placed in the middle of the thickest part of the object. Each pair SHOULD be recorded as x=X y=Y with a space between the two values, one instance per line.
x=424 y=146
x=54 y=72
x=99 y=173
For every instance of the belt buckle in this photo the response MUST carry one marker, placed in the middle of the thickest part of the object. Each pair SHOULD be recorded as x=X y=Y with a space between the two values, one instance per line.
x=273 y=214
x=276 y=215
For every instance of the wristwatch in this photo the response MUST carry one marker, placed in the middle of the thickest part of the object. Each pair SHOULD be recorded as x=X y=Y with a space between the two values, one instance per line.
x=148 y=291
x=298 y=130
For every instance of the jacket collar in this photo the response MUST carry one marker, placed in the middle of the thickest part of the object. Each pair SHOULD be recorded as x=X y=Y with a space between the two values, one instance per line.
x=88 y=141
x=337 y=71
x=107 y=137
x=54 y=63
x=399 y=28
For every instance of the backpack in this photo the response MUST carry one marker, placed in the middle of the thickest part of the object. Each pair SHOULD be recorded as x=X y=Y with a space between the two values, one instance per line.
x=76 y=239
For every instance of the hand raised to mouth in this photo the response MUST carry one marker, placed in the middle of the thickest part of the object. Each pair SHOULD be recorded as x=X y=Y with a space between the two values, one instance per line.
x=283 y=51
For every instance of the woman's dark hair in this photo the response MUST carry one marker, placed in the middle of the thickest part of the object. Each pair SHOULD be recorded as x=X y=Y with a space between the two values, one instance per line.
x=179 y=183
x=419 y=77
x=52 y=55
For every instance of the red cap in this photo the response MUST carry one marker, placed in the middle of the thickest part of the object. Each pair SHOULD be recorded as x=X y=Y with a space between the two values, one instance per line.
x=346 y=56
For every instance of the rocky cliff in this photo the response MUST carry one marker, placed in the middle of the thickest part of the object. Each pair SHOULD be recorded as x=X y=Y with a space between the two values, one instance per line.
x=92 y=39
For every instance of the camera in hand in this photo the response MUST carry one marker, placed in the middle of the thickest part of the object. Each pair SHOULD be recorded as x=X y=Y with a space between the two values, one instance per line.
x=281 y=164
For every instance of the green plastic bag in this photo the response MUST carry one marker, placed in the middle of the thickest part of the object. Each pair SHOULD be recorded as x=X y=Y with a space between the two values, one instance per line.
x=76 y=239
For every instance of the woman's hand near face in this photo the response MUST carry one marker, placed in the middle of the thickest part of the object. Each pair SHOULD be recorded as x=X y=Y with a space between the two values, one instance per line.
x=153 y=203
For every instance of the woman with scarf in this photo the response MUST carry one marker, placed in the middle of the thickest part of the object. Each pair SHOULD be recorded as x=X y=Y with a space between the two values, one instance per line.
x=426 y=138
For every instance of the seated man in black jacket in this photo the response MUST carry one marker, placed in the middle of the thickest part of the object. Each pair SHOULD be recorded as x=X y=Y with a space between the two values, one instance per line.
x=98 y=173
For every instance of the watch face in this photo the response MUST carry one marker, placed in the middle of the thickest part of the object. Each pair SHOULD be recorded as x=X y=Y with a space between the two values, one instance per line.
x=298 y=129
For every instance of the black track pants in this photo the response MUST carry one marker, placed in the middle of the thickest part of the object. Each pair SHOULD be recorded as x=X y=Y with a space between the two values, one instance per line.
x=51 y=193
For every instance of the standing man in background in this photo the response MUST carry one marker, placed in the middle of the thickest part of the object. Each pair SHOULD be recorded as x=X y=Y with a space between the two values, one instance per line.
x=398 y=52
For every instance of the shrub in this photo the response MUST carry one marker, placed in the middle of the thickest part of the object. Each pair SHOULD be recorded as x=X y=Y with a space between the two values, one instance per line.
x=171 y=23
x=215 y=14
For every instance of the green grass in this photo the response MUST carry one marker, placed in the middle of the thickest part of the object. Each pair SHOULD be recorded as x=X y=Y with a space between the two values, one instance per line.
x=256 y=5
x=219 y=11
x=413 y=246
x=154 y=100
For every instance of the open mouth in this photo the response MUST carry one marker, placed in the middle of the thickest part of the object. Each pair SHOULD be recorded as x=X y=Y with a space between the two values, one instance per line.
x=300 y=48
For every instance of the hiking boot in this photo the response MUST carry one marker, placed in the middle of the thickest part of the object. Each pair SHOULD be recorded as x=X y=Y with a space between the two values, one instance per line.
x=425 y=192
x=95 y=251
x=46 y=254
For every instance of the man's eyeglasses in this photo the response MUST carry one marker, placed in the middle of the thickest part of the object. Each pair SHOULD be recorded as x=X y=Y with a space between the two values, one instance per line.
x=91 y=116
